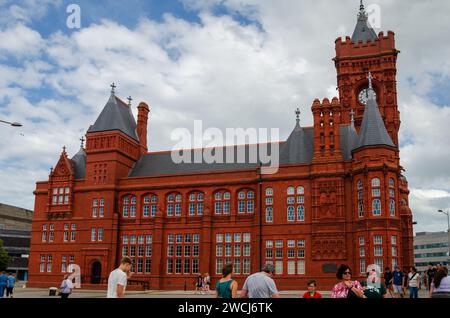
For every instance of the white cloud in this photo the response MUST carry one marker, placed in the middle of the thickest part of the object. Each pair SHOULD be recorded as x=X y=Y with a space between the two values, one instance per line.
x=227 y=73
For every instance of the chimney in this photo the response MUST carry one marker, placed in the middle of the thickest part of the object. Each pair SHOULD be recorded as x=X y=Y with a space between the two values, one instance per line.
x=143 y=111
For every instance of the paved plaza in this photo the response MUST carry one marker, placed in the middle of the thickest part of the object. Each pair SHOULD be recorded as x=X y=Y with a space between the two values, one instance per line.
x=80 y=293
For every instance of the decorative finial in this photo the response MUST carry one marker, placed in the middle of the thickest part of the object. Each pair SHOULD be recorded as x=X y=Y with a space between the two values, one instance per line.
x=113 y=88
x=370 y=78
x=129 y=100
x=82 y=142
x=297 y=114
x=361 y=6
x=352 y=116
x=370 y=91
x=64 y=149
x=362 y=11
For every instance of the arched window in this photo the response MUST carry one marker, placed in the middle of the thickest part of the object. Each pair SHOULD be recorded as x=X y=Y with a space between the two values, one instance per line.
x=269 y=196
x=361 y=209
x=392 y=207
x=376 y=182
x=149 y=206
x=300 y=190
x=391 y=188
x=129 y=206
x=246 y=201
x=173 y=204
x=196 y=203
x=222 y=202
x=290 y=191
x=376 y=207
x=359 y=185
x=269 y=192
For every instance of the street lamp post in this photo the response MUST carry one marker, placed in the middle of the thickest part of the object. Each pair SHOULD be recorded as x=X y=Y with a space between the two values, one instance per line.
x=448 y=232
x=14 y=124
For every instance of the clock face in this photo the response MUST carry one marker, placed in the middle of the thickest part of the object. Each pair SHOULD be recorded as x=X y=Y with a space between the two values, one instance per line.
x=363 y=96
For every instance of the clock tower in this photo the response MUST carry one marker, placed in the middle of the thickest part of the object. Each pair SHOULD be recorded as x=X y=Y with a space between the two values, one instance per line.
x=355 y=57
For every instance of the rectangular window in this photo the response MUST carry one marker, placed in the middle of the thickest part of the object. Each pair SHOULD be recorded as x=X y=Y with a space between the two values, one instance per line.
x=246 y=270
x=291 y=253
x=139 y=265
x=125 y=239
x=187 y=266
x=378 y=250
x=179 y=238
x=237 y=251
x=279 y=243
x=269 y=214
x=219 y=251
x=133 y=239
x=228 y=250
x=170 y=238
x=361 y=240
x=170 y=266
x=178 y=266
x=100 y=234
x=376 y=193
x=226 y=207
x=269 y=244
x=250 y=206
x=269 y=201
x=300 y=253
x=179 y=251
x=379 y=262
x=125 y=250
x=241 y=207
x=192 y=208
x=170 y=250
x=141 y=239
x=187 y=251
x=140 y=251
x=246 y=237
x=196 y=238
x=187 y=238
x=394 y=251
x=178 y=209
x=394 y=240
x=132 y=251
x=291 y=243
x=102 y=212
x=66 y=236
x=218 y=208
x=219 y=238
x=148 y=265
x=362 y=251
x=237 y=266
x=301 y=243
x=291 y=267
x=93 y=234
x=269 y=254
x=301 y=268
x=378 y=239
x=246 y=250
x=237 y=237
x=195 y=251
x=278 y=253
x=279 y=267
x=362 y=265
x=218 y=266
x=195 y=267
x=228 y=238
x=149 y=239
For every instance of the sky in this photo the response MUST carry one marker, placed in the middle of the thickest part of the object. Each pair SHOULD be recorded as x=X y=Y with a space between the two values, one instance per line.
x=229 y=63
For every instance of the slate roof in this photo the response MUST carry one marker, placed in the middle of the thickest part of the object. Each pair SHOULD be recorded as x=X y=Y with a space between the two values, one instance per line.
x=299 y=147
x=116 y=115
x=373 y=131
x=363 y=30
x=79 y=164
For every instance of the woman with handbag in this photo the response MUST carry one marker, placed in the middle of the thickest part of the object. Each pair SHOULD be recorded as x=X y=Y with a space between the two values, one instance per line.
x=346 y=288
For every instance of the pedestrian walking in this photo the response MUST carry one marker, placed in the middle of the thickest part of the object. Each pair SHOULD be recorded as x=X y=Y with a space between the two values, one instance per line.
x=66 y=287
x=117 y=281
x=346 y=288
x=413 y=283
x=3 y=284
x=261 y=285
x=388 y=281
x=373 y=287
x=226 y=287
x=199 y=284
x=312 y=293
x=398 y=279
x=441 y=284
x=206 y=283
x=429 y=276
x=10 y=285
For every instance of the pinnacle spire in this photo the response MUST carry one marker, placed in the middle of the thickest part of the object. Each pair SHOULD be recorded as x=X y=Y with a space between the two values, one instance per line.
x=113 y=88
x=297 y=114
x=363 y=30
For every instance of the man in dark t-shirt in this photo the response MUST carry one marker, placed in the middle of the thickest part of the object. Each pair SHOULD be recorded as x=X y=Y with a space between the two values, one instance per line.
x=398 y=280
x=430 y=272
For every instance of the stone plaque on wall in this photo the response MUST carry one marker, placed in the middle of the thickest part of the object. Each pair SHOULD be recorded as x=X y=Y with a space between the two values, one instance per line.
x=329 y=268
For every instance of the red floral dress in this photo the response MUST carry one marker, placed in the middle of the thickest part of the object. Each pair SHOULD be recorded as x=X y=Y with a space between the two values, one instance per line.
x=340 y=290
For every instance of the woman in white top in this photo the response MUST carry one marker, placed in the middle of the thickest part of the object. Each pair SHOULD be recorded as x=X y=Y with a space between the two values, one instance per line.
x=413 y=283
x=440 y=288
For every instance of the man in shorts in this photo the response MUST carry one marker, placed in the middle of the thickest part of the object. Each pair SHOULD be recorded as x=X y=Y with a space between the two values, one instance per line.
x=398 y=280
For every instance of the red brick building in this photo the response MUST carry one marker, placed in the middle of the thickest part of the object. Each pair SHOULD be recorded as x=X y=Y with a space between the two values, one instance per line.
x=339 y=195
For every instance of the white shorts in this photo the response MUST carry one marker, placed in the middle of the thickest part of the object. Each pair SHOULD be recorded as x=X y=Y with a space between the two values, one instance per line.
x=398 y=289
